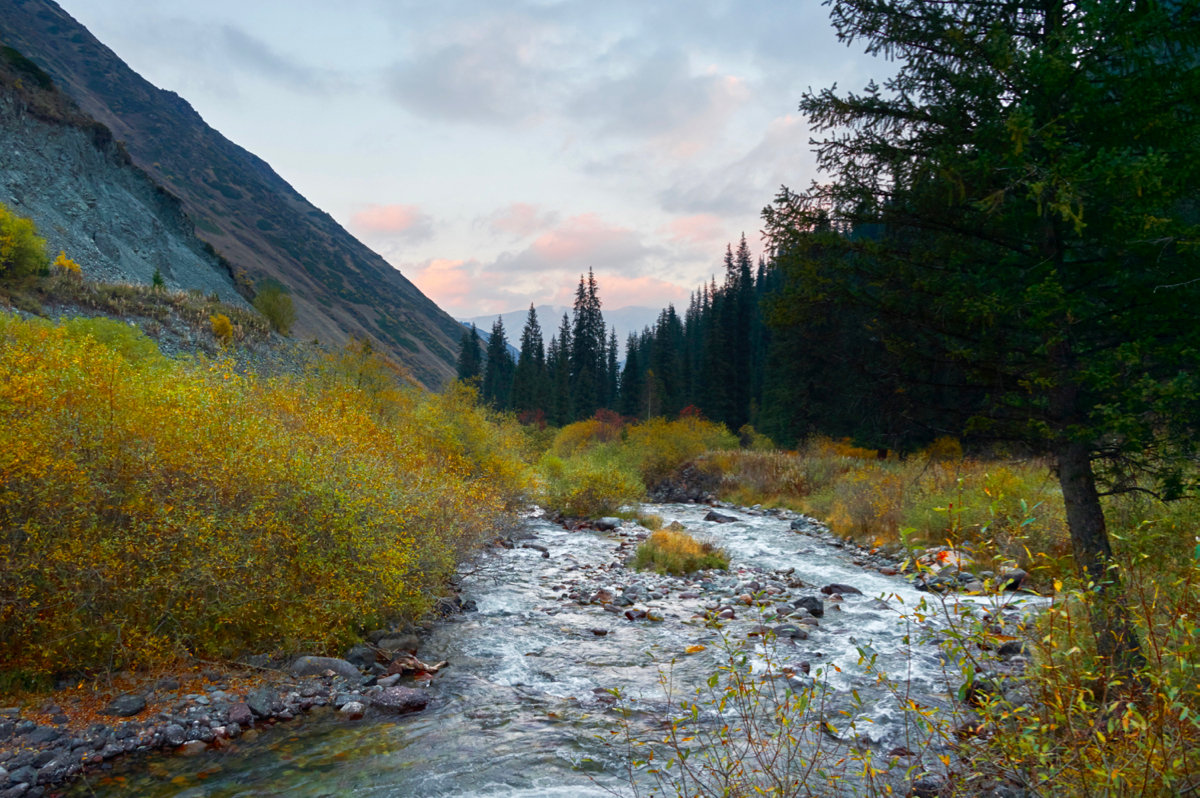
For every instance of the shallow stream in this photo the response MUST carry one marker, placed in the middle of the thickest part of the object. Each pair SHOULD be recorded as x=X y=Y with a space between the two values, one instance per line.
x=522 y=708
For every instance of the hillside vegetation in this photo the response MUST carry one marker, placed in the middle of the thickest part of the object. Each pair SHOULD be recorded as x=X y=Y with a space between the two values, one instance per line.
x=155 y=507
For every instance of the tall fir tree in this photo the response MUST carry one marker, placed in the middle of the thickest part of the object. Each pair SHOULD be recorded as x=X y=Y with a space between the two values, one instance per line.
x=470 y=357
x=588 y=342
x=531 y=384
x=1022 y=194
x=498 y=371
x=558 y=366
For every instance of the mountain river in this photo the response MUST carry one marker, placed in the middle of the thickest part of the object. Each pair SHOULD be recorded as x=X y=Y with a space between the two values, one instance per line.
x=523 y=707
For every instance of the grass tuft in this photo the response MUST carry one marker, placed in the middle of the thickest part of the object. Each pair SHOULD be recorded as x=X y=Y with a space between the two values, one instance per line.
x=672 y=552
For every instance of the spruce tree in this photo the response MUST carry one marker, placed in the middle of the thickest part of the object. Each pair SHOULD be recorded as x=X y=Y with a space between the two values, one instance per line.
x=470 y=359
x=1022 y=195
x=531 y=387
x=558 y=364
x=588 y=342
x=498 y=371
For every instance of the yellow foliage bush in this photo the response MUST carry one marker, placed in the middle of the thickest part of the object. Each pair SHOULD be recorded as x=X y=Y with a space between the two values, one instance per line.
x=589 y=484
x=673 y=552
x=657 y=447
x=222 y=328
x=22 y=250
x=151 y=507
x=67 y=266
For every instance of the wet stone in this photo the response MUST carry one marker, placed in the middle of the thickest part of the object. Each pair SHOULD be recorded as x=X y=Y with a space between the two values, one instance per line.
x=400 y=700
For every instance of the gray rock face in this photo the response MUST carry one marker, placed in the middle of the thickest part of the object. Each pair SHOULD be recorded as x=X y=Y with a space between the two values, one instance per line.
x=400 y=700
x=318 y=666
x=106 y=215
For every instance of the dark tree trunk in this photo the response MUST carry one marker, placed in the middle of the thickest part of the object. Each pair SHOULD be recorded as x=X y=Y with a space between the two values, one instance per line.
x=1116 y=639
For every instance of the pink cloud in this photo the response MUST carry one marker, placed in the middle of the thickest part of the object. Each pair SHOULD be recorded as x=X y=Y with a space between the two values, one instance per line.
x=585 y=240
x=407 y=221
x=521 y=219
x=447 y=282
x=697 y=229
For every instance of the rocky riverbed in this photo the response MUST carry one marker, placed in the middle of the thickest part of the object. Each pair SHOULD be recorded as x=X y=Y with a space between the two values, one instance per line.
x=553 y=623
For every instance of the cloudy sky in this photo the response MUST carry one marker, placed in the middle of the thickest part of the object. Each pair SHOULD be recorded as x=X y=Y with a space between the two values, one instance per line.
x=492 y=150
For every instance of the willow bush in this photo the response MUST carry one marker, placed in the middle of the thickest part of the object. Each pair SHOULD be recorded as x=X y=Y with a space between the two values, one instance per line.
x=150 y=507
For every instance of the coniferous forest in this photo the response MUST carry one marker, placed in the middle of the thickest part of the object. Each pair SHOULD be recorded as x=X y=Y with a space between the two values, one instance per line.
x=740 y=354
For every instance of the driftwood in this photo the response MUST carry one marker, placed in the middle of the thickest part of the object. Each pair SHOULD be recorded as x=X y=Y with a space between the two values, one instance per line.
x=407 y=663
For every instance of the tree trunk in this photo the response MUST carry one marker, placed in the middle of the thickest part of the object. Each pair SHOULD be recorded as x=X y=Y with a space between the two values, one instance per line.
x=1116 y=639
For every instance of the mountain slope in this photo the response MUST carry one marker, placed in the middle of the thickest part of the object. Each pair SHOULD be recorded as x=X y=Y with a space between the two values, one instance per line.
x=64 y=171
x=249 y=214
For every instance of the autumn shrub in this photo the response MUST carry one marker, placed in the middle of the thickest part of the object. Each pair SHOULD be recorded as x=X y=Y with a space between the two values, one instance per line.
x=222 y=328
x=674 y=552
x=772 y=478
x=589 y=484
x=273 y=301
x=66 y=266
x=1077 y=725
x=22 y=250
x=152 y=507
x=584 y=434
x=656 y=447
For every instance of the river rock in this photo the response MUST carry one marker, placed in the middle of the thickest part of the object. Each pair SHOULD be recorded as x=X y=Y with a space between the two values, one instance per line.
x=361 y=656
x=125 y=705
x=318 y=666
x=1013 y=648
x=400 y=700
x=840 y=589
x=719 y=518
x=396 y=644
x=536 y=547
x=791 y=630
x=607 y=524
x=42 y=734
x=1013 y=579
x=240 y=714
x=262 y=701
x=352 y=710
x=174 y=734
x=814 y=605
x=193 y=747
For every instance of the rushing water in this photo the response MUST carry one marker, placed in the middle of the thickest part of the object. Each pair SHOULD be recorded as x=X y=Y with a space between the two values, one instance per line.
x=522 y=709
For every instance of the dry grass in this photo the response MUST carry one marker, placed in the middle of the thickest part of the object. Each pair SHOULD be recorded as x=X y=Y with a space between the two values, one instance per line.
x=673 y=552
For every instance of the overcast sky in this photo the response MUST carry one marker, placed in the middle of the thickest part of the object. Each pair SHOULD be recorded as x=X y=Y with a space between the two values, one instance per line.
x=494 y=150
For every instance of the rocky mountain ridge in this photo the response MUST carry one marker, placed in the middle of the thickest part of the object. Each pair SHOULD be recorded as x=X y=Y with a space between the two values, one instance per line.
x=66 y=173
x=250 y=215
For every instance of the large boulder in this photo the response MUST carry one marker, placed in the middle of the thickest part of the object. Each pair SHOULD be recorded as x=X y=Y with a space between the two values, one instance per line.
x=320 y=666
x=719 y=518
x=123 y=706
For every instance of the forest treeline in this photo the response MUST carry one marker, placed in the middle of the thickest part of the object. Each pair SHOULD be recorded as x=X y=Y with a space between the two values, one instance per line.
x=741 y=353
